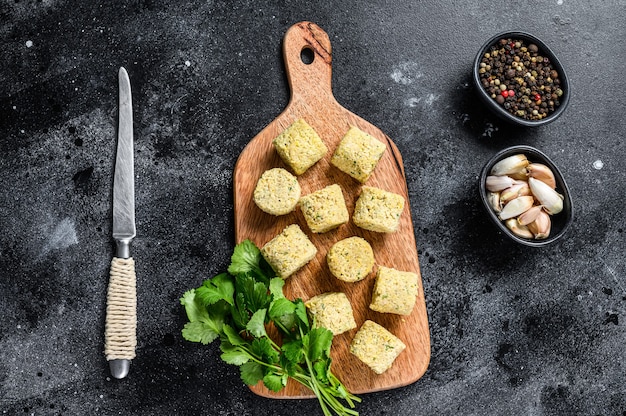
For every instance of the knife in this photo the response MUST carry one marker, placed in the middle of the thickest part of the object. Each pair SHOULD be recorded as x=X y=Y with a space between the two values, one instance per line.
x=121 y=313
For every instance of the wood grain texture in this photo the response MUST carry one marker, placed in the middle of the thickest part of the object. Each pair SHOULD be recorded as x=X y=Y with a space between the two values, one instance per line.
x=312 y=99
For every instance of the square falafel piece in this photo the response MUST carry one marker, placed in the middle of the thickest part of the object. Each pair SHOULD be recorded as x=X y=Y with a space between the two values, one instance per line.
x=376 y=346
x=358 y=154
x=324 y=209
x=299 y=146
x=378 y=210
x=394 y=291
x=333 y=311
x=289 y=251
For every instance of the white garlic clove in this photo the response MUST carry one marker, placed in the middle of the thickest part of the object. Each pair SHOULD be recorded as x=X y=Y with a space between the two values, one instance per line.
x=498 y=183
x=519 y=188
x=493 y=198
x=543 y=173
x=551 y=200
x=516 y=207
x=530 y=215
x=518 y=229
x=512 y=165
x=541 y=226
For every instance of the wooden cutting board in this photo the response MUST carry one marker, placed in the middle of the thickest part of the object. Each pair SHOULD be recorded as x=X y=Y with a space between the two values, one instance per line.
x=312 y=99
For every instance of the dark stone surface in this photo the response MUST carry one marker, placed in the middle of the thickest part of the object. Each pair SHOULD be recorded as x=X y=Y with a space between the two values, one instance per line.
x=514 y=330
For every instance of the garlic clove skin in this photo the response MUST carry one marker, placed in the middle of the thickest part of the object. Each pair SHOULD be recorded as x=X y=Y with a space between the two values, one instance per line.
x=519 y=188
x=519 y=230
x=521 y=174
x=493 y=198
x=541 y=226
x=512 y=165
x=516 y=207
x=498 y=183
x=530 y=215
x=543 y=173
x=551 y=200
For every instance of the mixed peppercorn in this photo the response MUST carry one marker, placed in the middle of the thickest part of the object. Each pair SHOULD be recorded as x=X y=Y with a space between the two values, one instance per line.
x=520 y=79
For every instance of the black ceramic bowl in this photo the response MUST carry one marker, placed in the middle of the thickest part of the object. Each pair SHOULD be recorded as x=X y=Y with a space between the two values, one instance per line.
x=560 y=221
x=498 y=109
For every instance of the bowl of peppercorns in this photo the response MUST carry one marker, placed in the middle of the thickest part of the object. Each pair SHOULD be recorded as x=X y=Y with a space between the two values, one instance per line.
x=520 y=79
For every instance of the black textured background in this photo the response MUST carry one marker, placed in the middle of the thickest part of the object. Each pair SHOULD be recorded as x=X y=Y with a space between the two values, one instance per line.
x=514 y=331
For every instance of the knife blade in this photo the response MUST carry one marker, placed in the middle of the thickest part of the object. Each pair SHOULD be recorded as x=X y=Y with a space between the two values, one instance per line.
x=121 y=319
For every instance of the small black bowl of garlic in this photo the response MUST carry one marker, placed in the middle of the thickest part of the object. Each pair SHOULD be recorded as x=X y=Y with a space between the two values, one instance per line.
x=526 y=196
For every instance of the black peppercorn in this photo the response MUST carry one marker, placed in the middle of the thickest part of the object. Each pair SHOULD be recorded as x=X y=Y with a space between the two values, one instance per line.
x=518 y=78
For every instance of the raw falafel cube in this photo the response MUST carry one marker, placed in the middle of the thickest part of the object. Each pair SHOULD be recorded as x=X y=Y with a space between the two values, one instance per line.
x=299 y=146
x=376 y=346
x=288 y=251
x=324 y=209
x=358 y=154
x=277 y=192
x=333 y=311
x=394 y=291
x=350 y=259
x=378 y=210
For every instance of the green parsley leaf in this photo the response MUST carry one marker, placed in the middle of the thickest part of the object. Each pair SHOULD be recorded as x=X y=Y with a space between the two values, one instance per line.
x=199 y=332
x=254 y=293
x=263 y=349
x=273 y=382
x=256 y=324
x=251 y=373
x=320 y=341
x=280 y=307
x=204 y=324
x=195 y=311
x=233 y=337
x=235 y=357
x=282 y=311
x=221 y=287
x=290 y=369
x=292 y=350
x=301 y=314
x=245 y=258
x=322 y=367
x=276 y=287
x=239 y=312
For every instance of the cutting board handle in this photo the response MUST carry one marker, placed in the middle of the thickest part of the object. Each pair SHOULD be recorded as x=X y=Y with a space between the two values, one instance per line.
x=302 y=40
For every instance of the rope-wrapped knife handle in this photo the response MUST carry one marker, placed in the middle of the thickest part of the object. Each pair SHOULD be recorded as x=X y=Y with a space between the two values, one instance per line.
x=120 y=328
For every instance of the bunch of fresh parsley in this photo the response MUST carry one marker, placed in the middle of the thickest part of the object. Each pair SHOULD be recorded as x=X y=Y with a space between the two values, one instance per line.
x=236 y=307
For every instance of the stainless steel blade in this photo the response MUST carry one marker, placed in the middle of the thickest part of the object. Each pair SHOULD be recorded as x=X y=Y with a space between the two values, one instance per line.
x=124 y=181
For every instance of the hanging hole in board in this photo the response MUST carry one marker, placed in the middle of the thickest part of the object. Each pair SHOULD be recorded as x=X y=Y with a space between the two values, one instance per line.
x=307 y=55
